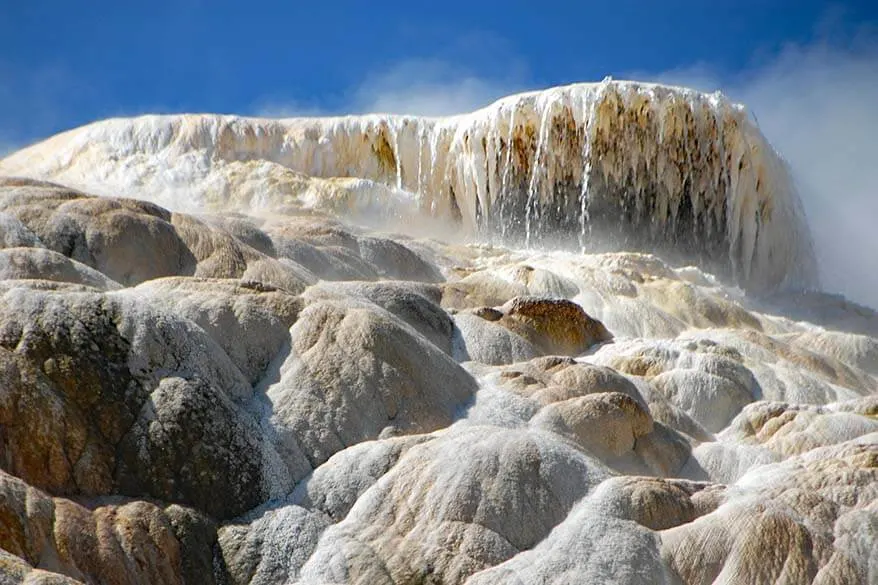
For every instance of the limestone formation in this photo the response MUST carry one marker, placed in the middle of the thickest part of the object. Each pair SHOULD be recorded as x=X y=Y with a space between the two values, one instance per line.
x=353 y=373
x=634 y=165
x=105 y=395
x=560 y=340
x=110 y=541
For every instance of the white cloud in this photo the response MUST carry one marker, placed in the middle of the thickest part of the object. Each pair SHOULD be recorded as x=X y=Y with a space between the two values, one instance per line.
x=465 y=72
x=421 y=87
x=279 y=108
x=817 y=105
x=430 y=87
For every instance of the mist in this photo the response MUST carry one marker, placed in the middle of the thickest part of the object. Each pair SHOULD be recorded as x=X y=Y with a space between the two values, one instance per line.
x=815 y=103
x=818 y=106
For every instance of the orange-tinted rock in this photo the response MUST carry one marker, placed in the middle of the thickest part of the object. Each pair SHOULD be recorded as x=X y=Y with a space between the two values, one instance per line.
x=557 y=326
x=113 y=541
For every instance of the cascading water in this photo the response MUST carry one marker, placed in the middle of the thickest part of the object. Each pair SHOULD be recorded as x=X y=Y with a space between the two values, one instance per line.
x=609 y=165
x=504 y=182
x=532 y=208
x=396 y=132
x=586 y=173
x=421 y=139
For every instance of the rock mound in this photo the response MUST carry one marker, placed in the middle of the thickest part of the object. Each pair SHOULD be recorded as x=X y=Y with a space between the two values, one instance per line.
x=267 y=384
x=556 y=326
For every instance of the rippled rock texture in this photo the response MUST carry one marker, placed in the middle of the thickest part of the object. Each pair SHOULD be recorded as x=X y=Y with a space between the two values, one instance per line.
x=219 y=394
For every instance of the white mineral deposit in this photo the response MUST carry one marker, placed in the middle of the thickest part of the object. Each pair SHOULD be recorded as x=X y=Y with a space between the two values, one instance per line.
x=577 y=336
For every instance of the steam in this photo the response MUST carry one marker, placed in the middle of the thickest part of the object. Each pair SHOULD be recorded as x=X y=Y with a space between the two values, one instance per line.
x=817 y=105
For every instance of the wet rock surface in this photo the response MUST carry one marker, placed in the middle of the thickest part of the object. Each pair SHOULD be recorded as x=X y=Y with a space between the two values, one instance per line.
x=293 y=396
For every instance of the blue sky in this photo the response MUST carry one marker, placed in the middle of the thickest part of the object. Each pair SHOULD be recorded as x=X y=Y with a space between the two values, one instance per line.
x=65 y=63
